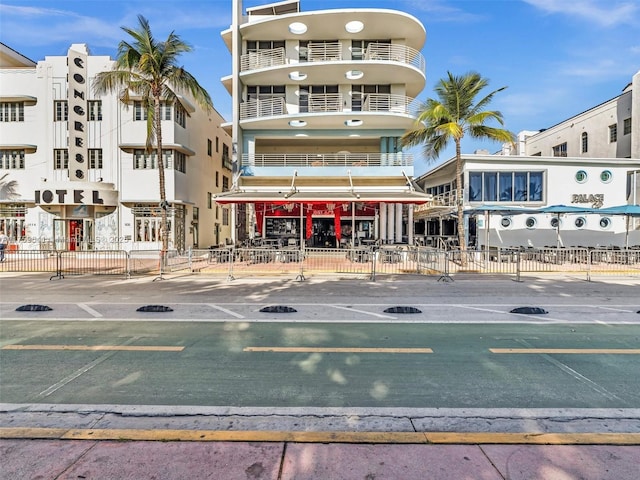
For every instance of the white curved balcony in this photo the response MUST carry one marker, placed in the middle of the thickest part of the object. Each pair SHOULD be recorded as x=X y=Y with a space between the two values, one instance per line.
x=331 y=52
x=330 y=103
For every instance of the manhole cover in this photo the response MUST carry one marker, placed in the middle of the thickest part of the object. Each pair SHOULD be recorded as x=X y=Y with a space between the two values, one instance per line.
x=403 y=310
x=530 y=310
x=278 y=309
x=154 y=308
x=33 y=308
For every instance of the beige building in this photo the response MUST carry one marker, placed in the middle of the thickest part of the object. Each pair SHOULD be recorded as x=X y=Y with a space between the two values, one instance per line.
x=79 y=174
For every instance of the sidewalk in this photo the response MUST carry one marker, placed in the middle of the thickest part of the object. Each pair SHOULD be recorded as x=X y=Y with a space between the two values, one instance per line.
x=141 y=460
x=136 y=442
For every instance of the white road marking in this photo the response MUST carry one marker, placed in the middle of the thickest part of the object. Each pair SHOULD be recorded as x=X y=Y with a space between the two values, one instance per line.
x=89 y=310
x=378 y=315
x=225 y=310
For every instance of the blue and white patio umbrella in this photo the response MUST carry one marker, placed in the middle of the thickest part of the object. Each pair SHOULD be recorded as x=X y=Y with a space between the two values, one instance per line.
x=563 y=209
x=488 y=209
x=628 y=210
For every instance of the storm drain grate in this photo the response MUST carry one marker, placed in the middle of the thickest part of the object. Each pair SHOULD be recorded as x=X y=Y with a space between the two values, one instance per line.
x=529 y=310
x=154 y=308
x=278 y=309
x=33 y=308
x=403 y=310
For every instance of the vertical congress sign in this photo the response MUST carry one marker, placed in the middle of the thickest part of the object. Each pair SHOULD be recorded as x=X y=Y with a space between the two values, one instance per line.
x=77 y=101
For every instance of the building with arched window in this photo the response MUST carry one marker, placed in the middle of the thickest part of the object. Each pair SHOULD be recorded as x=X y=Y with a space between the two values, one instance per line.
x=589 y=161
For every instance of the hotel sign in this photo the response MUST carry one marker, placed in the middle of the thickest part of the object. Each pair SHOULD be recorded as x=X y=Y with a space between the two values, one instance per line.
x=595 y=199
x=77 y=102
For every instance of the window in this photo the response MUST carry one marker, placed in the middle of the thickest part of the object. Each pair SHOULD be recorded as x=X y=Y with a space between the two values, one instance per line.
x=505 y=222
x=613 y=133
x=217 y=145
x=225 y=184
x=11 y=159
x=148 y=161
x=95 y=158
x=209 y=200
x=605 y=222
x=226 y=160
x=165 y=111
x=180 y=163
x=139 y=113
x=531 y=222
x=506 y=186
x=209 y=147
x=255 y=46
x=95 y=110
x=560 y=150
x=60 y=159
x=181 y=116
x=11 y=112
x=606 y=176
x=225 y=216
x=60 y=111
x=217 y=179
x=581 y=176
x=147 y=222
x=555 y=222
x=580 y=222
x=585 y=142
x=626 y=126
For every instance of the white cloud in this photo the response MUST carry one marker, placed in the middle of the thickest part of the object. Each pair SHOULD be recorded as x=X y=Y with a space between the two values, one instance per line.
x=606 y=13
x=440 y=11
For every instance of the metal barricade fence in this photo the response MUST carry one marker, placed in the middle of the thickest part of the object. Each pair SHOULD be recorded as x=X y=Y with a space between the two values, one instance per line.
x=354 y=261
x=615 y=262
x=97 y=262
x=30 y=261
x=144 y=262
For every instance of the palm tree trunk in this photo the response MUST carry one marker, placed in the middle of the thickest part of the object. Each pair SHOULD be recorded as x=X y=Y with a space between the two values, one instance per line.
x=163 y=196
x=462 y=244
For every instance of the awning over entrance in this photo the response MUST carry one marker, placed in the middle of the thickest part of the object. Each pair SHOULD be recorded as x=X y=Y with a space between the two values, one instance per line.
x=297 y=196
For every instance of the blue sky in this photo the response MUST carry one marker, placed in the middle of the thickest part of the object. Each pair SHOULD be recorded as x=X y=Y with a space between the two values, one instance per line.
x=557 y=57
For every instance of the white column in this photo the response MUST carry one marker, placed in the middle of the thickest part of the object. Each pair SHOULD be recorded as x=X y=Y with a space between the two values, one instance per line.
x=391 y=214
x=383 y=223
x=410 y=224
x=398 y=223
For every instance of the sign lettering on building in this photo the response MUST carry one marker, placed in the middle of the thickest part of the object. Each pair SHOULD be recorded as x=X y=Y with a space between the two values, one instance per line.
x=595 y=199
x=77 y=102
x=68 y=196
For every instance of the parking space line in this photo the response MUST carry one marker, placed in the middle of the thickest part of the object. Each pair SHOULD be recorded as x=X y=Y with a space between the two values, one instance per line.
x=570 y=351
x=90 y=310
x=228 y=312
x=336 y=350
x=107 y=348
x=378 y=315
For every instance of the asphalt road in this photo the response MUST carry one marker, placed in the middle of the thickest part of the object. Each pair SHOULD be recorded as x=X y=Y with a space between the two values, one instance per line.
x=339 y=352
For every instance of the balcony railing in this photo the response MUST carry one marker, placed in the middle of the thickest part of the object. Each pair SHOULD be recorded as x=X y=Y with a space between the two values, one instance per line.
x=330 y=102
x=327 y=52
x=263 y=107
x=327 y=159
x=324 y=52
x=262 y=59
x=395 y=53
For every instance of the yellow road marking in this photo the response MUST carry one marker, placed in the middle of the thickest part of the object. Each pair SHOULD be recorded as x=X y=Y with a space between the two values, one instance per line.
x=460 y=438
x=128 y=348
x=589 y=351
x=336 y=350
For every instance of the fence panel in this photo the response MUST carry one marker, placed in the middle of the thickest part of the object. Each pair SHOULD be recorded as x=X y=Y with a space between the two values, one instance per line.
x=29 y=261
x=354 y=261
x=248 y=262
x=144 y=262
x=99 y=262
x=615 y=262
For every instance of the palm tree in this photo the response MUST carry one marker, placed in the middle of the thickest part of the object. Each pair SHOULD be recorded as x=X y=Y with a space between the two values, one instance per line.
x=452 y=116
x=8 y=188
x=148 y=69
